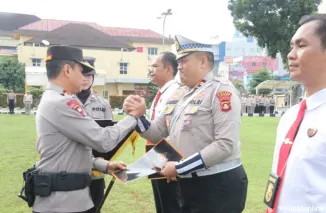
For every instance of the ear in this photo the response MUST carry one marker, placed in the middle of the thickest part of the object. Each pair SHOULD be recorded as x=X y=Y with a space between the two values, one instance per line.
x=66 y=71
x=203 y=60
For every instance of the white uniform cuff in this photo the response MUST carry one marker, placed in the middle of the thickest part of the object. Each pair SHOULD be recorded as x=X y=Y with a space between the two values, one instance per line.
x=190 y=164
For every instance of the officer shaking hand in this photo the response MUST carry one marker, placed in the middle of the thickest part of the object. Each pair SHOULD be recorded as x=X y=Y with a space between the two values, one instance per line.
x=96 y=107
x=67 y=134
x=202 y=120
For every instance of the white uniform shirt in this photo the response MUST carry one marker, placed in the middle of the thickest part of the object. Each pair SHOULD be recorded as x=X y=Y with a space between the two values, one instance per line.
x=304 y=186
x=166 y=92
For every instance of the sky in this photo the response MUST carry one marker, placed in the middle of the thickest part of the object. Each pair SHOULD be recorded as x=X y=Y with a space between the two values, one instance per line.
x=198 y=20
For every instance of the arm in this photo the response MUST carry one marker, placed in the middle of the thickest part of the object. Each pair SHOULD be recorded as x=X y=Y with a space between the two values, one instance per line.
x=108 y=110
x=226 y=135
x=155 y=130
x=100 y=164
x=70 y=120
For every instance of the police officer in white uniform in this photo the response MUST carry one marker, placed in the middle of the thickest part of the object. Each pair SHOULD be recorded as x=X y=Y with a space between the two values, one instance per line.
x=300 y=150
x=97 y=108
x=67 y=135
x=164 y=69
x=202 y=120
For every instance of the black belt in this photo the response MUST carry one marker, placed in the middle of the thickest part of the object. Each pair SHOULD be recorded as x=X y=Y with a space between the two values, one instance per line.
x=42 y=184
x=45 y=183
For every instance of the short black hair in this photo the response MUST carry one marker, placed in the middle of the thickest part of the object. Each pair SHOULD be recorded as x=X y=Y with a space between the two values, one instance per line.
x=168 y=58
x=321 y=28
x=53 y=68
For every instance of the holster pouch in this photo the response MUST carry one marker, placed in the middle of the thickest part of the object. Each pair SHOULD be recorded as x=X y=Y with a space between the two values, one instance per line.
x=27 y=192
x=43 y=184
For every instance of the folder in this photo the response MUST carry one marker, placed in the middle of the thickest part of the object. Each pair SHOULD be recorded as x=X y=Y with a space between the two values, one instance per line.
x=131 y=138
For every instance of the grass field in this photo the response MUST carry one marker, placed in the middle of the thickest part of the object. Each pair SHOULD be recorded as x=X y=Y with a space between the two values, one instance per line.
x=18 y=152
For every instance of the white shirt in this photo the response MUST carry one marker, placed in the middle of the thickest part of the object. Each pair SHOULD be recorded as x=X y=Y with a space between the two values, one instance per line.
x=166 y=92
x=304 y=186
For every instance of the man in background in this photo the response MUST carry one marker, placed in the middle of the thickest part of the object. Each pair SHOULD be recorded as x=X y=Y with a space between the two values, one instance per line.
x=28 y=101
x=11 y=100
x=164 y=70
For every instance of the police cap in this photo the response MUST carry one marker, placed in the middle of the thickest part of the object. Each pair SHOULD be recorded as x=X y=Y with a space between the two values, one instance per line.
x=91 y=61
x=185 y=46
x=69 y=53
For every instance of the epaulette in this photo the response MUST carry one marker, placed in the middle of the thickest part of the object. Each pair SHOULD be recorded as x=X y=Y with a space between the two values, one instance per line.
x=223 y=80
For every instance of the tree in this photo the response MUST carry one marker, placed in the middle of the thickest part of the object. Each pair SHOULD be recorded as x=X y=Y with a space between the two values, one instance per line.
x=12 y=74
x=271 y=22
x=240 y=87
x=37 y=94
x=261 y=76
x=2 y=89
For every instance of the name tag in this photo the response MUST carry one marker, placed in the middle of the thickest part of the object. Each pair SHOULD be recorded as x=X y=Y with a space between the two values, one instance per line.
x=100 y=109
x=272 y=187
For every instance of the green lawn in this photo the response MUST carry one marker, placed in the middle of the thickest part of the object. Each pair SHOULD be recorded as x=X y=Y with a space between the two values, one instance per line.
x=18 y=152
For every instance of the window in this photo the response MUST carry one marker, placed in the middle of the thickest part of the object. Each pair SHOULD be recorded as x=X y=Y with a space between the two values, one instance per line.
x=152 y=51
x=264 y=64
x=38 y=45
x=123 y=68
x=36 y=62
x=253 y=64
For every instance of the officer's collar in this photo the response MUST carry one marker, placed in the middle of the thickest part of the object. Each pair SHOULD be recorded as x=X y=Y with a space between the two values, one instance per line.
x=208 y=77
x=57 y=88
x=93 y=96
x=167 y=85
x=316 y=99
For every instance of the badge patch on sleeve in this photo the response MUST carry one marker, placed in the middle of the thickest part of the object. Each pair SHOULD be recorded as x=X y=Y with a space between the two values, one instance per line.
x=73 y=104
x=225 y=100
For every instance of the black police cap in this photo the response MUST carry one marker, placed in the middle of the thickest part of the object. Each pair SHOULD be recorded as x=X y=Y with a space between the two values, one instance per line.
x=91 y=61
x=68 y=53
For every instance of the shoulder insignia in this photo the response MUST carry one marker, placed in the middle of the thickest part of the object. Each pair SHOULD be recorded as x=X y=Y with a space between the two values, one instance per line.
x=225 y=100
x=73 y=104
x=223 y=80
x=201 y=83
x=64 y=93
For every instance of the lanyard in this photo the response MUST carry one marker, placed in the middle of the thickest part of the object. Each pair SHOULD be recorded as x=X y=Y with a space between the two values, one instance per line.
x=184 y=105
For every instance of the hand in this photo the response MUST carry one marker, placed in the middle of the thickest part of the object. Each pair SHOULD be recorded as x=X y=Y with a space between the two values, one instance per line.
x=128 y=104
x=134 y=105
x=169 y=171
x=115 y=166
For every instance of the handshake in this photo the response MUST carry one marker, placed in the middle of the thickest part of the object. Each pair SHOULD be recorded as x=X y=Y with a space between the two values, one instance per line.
x=134 y=105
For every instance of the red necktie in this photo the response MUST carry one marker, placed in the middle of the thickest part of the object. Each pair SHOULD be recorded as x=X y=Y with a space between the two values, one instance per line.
x=285 y=152
x=157 y=97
